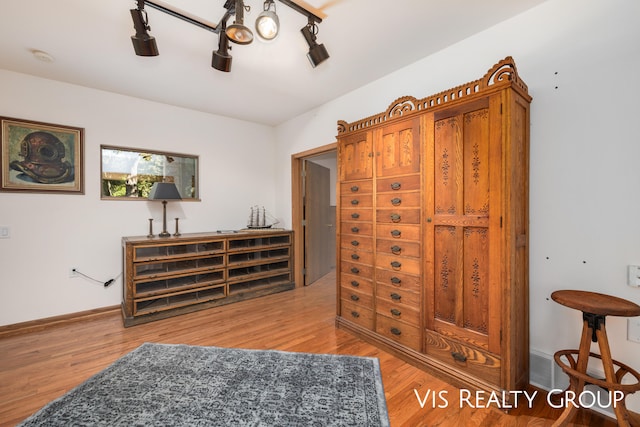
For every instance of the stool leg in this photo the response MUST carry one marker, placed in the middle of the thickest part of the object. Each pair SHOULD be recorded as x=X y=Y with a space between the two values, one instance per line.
x=607 y=364
x=577 y=385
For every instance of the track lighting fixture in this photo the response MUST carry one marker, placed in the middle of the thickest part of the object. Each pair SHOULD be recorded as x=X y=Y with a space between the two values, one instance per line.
x=317 y=52
x=238 y=32
x=267 y=23
x=267 y=27
x=221 y=60
x=143 y=43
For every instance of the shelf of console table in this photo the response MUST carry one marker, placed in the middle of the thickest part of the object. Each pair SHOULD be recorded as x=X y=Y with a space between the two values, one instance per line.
x=165 y=277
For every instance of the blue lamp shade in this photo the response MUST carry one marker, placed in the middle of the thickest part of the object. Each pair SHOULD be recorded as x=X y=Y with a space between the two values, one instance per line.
x=164 y=191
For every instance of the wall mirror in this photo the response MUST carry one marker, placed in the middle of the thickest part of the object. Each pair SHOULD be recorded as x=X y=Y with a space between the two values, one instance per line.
x=129 y=173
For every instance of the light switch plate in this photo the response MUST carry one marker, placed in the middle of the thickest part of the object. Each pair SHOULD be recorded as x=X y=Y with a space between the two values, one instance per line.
x=633 y=276
x=4 y=232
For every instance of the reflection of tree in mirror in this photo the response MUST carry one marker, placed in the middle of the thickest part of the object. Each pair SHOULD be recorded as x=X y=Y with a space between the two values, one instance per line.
x=130 y=174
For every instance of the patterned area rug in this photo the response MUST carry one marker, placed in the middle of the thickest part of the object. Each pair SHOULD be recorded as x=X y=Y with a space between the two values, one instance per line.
x=180 y=385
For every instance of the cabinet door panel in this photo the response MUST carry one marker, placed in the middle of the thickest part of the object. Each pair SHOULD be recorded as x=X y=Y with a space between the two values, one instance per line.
x=356 y=157
x=398 y=148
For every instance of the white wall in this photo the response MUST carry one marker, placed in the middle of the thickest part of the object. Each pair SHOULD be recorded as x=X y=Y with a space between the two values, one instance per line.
x=51 y=233
x=581 y=61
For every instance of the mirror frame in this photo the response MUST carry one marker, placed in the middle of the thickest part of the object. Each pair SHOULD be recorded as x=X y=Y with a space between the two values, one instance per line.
x=174 y=168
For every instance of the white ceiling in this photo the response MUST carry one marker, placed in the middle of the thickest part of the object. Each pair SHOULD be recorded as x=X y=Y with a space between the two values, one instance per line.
x=269 y=83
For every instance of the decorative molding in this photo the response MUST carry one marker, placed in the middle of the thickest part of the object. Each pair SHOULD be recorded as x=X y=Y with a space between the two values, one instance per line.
x=503 y=73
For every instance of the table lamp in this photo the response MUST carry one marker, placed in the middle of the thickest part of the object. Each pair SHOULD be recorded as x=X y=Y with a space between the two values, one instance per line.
x=164 y=191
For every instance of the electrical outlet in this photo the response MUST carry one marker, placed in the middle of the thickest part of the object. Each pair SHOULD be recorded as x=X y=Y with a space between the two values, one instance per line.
x=73 y=272
x=633 y=329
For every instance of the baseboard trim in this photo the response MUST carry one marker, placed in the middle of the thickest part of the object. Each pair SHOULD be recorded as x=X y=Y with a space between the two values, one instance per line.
x=49 y=322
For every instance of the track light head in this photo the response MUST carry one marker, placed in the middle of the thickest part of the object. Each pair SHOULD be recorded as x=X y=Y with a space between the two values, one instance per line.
x=238 y=32
x=221 y=60
x=267 y=23
x=143 y=43
x=317 y=52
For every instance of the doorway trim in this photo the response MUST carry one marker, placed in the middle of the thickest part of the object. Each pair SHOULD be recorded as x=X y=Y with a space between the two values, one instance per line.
x=297 y=160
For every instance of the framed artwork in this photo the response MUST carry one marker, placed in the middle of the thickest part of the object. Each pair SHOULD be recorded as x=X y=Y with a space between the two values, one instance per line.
x=128 y=173
x=41 y=157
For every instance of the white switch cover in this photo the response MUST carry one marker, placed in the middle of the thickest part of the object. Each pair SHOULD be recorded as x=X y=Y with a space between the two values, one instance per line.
x=4 y=232
x=633 y=278
x=633 y=329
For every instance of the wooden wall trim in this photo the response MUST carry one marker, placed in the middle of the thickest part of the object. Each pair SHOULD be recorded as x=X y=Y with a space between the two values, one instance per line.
x=49 y=322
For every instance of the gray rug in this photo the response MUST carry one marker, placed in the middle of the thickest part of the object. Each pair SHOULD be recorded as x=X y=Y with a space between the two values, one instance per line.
x=180 y=385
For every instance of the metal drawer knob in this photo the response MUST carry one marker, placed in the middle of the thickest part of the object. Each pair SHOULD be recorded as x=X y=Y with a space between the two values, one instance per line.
x=395 y=217
x=355 y=270
x=355 y=283
x=395 y=297
x=396 y=233
x=355 y=256
x=355 y=202
x=395 y=280
x=355 y=215
x=458 y=357
x=355 y=297
x=355 y=188
x=396 y=312
x=396 y=264
x=396 y=331
x=395 y=249
x=355 y=229
x=396 y=186
x=355 y=314
x=396 y=201
x=355 y=242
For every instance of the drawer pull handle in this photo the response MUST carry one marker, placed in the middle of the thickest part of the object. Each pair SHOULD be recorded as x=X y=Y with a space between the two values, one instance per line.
x=355 y=256
x=355 y=202
x=458 y=357
x=396 y=233
x=396 y=331
x=355 y=229
x=355 y=283
x=396 y=264
x=395 y=297
x=355 y=298
x=396 y=312
x=396 y=201
x=396 y=186
x=395 y=217
x=355 y=242
x=355 y=188
x=355 y=270
x=355 y=314
x=395 y=249
x=395 y=280
x=355 y=215
x=429 y=219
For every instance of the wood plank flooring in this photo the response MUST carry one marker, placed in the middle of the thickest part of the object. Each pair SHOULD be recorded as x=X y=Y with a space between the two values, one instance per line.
x=39 y=366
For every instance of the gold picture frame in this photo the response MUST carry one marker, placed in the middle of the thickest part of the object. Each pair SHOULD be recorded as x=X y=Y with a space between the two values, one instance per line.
x=41 y=157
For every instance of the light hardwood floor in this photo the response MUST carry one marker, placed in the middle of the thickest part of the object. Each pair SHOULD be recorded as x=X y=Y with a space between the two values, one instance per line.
x=37 y=367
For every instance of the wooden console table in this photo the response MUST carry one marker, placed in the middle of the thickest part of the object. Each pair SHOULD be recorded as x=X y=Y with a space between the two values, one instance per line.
x=164 y=277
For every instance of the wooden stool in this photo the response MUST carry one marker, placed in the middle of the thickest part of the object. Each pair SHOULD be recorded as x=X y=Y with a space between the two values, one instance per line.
x=595 y=307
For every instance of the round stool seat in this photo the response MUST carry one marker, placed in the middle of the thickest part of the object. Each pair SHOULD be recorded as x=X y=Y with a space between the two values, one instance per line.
x=595 y=303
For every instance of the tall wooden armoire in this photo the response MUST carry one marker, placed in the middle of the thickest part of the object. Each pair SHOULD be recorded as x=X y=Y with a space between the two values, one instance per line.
x=433 y=237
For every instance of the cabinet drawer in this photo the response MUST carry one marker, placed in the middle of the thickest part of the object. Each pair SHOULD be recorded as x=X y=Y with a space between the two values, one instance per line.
x=355 y=296
x=398 y=296
x=356 y=314
x=401 y=332
x=396 y=280
x=361 y=270
x=400 y=183
x=404 y=199
x=398 y=216
x=356 y=201
x=398 y=263
x=357 y=228
x=352 y=255
x=353 y=187
x=362 y=243
x=466 y=358
x=364 y=214
x=398 y=231
x=398 y=312
x=399 y=248
x=361 y=284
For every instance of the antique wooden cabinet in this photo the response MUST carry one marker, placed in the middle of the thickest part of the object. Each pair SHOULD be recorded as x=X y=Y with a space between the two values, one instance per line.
x=164 y=277
x=433 y=213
